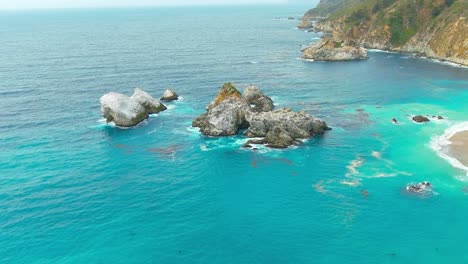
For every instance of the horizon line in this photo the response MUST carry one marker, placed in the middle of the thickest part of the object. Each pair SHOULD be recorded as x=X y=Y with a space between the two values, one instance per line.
x=148 y=6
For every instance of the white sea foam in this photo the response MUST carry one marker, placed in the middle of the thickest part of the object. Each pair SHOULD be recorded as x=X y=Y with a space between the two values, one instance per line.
x=453 y=64
x=441 y=143
x=203 y=147
x=171 y=107
x=383 y=51
x=309 y=60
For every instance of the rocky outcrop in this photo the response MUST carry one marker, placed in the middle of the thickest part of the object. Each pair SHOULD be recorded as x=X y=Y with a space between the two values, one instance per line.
x=305 y=23
x=227 y=91
x=330 y=50
x=433 y=29
x=299 y=125
x=231 y=112
x=224 y=119
x=420 y=119
x=169 y=95
x=257 y=99
x=151 y=105
x=127 y=111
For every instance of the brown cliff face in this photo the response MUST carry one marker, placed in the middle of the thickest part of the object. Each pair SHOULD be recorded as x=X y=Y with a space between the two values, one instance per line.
x=435 y=29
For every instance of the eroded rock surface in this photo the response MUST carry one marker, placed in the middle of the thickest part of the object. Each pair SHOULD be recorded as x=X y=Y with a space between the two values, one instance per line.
x=127 y=111
x=231 y=112
x=331 y=50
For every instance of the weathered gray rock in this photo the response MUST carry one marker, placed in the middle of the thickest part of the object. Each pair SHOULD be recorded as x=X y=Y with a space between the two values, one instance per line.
x=297 y=124
x=151 y=105
x=127 y=111
x=420 y=119
x=122 y=110
x=230 y=112
x=169 y=95
x=331 y=50
x=278 y=137
x=257 y=99
x=225 y=119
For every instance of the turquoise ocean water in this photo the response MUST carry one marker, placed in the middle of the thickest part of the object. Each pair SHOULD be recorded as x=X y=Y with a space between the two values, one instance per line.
x=74 y=190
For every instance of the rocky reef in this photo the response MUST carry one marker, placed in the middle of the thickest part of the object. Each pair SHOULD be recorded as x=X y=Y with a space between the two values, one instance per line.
x=127 y=111
x=169 y=95
x=328 y=49
x=420 y=119
x=230 y=112
x=433 y=29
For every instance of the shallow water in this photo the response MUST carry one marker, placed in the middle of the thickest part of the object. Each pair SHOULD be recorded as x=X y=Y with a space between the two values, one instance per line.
x=75 y=190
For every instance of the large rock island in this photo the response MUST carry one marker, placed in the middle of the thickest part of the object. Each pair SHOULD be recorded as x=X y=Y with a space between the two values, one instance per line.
x=434 y=29
x=127 y=111
x=230 y=112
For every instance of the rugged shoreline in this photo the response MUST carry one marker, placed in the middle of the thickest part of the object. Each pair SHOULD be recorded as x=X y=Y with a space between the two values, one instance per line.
x=440 y=31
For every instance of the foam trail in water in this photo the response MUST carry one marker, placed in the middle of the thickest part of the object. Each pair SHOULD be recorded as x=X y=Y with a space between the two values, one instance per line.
x=441 y=145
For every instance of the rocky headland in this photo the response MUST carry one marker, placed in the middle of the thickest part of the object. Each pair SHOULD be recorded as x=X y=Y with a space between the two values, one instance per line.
x=230 y=112
x=433 y=29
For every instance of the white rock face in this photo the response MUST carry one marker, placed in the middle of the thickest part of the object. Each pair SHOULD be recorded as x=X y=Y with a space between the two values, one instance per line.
x=169 y=95
x=127 y=111
x=151 y=105
x=122 y=110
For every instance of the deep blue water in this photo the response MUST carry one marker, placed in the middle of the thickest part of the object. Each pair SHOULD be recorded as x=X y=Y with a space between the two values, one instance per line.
x=74 y=190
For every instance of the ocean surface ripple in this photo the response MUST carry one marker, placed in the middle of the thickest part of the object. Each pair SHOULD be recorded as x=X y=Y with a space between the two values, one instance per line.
x=75 y=190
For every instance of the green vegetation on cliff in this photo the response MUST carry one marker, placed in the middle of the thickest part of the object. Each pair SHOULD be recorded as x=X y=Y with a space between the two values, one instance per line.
x=437 y=28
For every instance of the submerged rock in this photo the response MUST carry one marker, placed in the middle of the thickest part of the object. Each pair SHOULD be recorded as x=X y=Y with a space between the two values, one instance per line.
x=230 y=112
x=127 y=111
x=420 y=119
x=331 y=50
x=169 y=95
x=419 y=188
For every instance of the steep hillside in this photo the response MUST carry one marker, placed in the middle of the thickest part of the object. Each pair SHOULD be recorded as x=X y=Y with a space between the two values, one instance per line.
x=437 y=29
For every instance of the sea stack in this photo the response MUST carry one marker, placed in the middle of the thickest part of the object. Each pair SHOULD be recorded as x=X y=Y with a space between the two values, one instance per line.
x=253 y=111
x=127 y=111
x=169 y=95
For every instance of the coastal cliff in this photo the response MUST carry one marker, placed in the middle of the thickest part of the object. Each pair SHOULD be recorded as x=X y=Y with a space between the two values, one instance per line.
x=434 y=29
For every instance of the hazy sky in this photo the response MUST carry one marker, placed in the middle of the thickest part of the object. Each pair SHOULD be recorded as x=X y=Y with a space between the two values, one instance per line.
x=27 y=4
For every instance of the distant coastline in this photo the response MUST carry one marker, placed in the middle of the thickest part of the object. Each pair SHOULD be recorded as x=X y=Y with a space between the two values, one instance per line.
x=437 y=31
